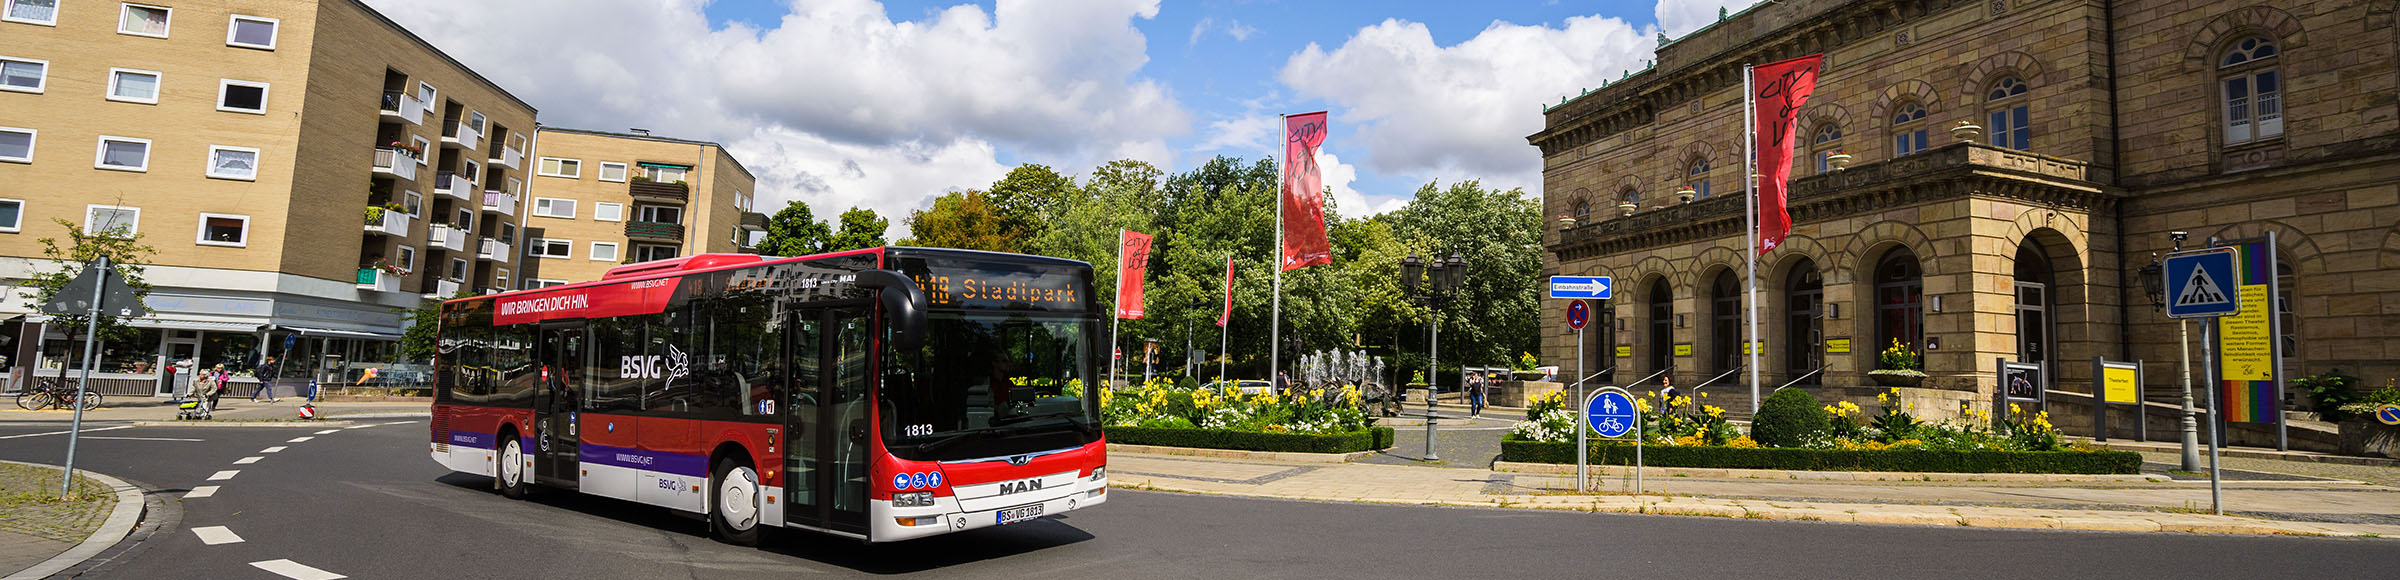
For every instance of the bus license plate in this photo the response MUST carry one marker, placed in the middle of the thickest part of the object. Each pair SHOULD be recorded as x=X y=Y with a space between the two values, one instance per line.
x=1019 y=514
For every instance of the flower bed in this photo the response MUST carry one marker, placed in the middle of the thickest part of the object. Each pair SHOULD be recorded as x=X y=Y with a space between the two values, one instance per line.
x=1895 y=458
x=1368 y=439
x=1315 y=421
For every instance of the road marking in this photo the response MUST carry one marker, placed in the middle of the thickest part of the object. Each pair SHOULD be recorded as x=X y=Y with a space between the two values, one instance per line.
x=247 y=460
x=144 y=438
x=200 y=492
x=299 y=439
x=274 y=449
x=214 y=535
x=296 y=570
x=64 y=432
x=358 y=426
x=224 y=475
x=399 y=422
x=328 y=431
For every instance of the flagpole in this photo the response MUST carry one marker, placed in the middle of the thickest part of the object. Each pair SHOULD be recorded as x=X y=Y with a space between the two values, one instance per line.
x=1750 y=213
x=1275 y=316
x=1116 y=310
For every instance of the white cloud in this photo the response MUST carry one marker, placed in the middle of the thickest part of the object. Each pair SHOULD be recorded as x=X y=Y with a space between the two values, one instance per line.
x=1239 y=31
x=1233 y=28
x=1199 y=29
x=890 y=179
x=1461 y=111
x=1680 y=17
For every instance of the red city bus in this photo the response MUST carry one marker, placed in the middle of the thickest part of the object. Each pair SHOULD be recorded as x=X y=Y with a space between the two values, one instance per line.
x=880 y=394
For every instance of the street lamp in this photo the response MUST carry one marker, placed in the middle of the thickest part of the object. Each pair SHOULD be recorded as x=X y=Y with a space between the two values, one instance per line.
x=1447 y=275
x=2154 y=283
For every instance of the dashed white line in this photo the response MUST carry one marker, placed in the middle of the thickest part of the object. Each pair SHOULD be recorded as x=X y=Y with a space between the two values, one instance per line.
x=214 y=535
x=200 y=492
x=296 y=570
x=328 y=431
x=399 y=422
x=299 y=439
x=144 y=438
x=358 y=426
x=275 y=449
x=247 y=460
x=64 y=432
x=224 y=475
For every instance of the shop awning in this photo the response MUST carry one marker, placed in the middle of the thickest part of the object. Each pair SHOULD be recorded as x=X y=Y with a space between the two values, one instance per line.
x=208 y=325
x=332 y=333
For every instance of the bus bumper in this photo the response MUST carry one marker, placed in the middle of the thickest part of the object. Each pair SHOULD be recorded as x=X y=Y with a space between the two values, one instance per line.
x=945 y=516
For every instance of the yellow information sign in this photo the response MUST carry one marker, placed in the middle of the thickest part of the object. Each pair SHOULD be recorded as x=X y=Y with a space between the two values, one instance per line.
x=2245 y=340
x=1837 y=346
x=1753 y=345
x=2119 y=385
x=1684 y=349
x=1625 y=351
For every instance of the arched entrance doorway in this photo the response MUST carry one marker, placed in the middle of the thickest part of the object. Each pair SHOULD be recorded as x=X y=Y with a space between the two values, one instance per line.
x=1804 y=320
x=1899 y=291
x=2036 y=329
x=1725 y=322
x=1662 y=326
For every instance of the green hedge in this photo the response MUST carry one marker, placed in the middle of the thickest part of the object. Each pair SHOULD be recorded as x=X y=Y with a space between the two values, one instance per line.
x=1370 y=439
x=1919 y=460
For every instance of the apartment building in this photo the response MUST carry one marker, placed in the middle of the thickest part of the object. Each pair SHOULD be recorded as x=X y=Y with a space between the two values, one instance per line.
x=602 y=199
x=303 y=168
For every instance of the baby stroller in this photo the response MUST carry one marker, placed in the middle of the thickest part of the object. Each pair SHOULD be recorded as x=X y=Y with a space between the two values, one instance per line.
x=202 y=402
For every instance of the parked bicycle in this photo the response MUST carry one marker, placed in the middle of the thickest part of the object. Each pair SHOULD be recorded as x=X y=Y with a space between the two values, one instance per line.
x=54 y=393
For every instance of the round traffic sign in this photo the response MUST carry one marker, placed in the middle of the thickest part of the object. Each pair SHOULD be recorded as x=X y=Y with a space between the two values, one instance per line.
x=1578 y=314
x=1611 y=412
x=2388 y=414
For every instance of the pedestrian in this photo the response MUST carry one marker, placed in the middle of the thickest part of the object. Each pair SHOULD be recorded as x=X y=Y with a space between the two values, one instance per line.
x=1667 y=393
x=1475 y=395
x=1283 y=382
x=210 y=385
x=266 y=380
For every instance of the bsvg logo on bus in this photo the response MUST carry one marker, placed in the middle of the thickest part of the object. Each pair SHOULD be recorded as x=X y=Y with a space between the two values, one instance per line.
x=673 y=365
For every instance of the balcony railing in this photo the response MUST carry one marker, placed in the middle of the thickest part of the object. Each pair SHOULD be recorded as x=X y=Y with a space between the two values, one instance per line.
x=378 y=280
x=388 y=222
x=494 y=250
x=508 y=157
x=396 y=162
x=754 y=221
x=461 y=134
x=444 y=237
x=654 y=231
x=403 y=106
x=659 y=191
x=454 y=185
x=500 y=202
x=441 y=288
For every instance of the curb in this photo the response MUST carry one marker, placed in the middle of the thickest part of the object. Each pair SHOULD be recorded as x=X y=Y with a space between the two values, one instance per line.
x=232 y=424
x=120 y=522
x=1869 y=476
x=2156 y=447
x=400 y=415
x=1283 y=456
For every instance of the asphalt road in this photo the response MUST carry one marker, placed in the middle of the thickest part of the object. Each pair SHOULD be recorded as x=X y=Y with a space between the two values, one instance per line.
x=367 y=503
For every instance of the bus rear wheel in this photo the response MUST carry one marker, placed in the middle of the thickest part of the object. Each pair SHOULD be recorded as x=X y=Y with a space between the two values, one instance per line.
x=510 y=468
x=734 y=507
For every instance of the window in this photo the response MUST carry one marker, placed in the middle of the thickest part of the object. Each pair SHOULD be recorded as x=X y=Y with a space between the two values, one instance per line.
x=608 y=212
x=12 y=215
x=1632 y=196
x=500 y=278
x=425 y=93
x=556 y=167
x=241 y=96
x=651 y=253
x=1698 y=178
x=23 y=75
x=422 y=145
x=123 y=154
x=741 y=201
x=533 y=283
x=1582 y=213
x=1827 y=141
x=458 y=269
x=549 y=248
x=466 y=219
x=471 y=170
x=218 y=229
x=516 y=141
x=2253 y=91
x=660 y=214
x=1725 y=317
x=1899 y=287
x=611 y=171
x=604 y=251
x=251 y=32
x=43 y=12
x=1908 y=130
x=415 y=204
x=508 y=233
x=133 y=86
x=144 y=20
x=2007 y=102
x=408 y=258
x=475 y=121
x=98 y=219
x=663 y=173
x=554 y=207
x=16 y=145
x=232 y=162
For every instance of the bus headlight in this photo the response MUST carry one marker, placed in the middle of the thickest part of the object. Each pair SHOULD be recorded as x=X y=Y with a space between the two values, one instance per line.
x=1100 y=473
x=913 y=499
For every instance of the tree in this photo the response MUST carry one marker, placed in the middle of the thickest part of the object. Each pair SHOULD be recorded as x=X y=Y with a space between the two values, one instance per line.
x=1499 y=234
x=860 y=228
x=124 y=251
x=1031 y=195
x=795 y=231
x=965 y=220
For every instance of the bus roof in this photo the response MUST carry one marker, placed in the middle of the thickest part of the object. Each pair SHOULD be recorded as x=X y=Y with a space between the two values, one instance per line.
x=715 y=262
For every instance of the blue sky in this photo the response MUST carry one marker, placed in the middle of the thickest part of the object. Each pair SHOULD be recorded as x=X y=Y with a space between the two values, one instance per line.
x=885 y=105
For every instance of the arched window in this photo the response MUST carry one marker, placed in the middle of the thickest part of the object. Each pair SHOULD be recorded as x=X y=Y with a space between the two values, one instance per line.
x=1662 y=326
x=1632 y=196
x=1699 y=177
x=2007 y=103
x=1899 y=288
x=1725 y=318
x=1804 y=322
x=1827 y=140
x=2035 y=328
x=2253 y=91
x=1583 y=210
x=1908 y=129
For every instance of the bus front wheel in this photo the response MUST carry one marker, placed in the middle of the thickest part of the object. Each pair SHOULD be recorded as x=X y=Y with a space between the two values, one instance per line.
x=510 y=468
x=735 y=506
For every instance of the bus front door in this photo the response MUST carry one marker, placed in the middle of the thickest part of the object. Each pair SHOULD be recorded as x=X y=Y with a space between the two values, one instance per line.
x=557 y=403
x=826 y=483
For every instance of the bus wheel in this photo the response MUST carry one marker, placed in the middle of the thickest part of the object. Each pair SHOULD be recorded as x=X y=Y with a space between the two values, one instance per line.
x=511 y=469
x=734 y=513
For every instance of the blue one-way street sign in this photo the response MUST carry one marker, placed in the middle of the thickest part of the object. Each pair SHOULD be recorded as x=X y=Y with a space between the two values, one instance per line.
x=2202 y=283
x=1611 y=412
x=1590 y=287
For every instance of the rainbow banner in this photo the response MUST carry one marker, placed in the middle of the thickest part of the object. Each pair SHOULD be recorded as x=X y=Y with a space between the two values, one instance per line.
x=2246 y=340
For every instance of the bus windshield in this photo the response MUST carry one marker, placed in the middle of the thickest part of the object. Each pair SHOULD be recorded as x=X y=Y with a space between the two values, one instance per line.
x=992 y=384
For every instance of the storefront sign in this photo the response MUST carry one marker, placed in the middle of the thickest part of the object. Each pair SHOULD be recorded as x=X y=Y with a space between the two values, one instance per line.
x=1837 y=346
x=1684 y=349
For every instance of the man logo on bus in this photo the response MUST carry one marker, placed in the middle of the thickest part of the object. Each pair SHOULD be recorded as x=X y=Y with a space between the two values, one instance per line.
x=674 y=365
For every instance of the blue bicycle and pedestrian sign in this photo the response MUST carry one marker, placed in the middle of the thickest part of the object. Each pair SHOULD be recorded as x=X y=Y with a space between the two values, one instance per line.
x=2202 y=283
x=1586 y=287
x=1611 y=412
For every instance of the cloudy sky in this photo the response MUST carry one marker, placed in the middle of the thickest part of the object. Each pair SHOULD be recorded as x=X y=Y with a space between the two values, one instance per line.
x=885 y=105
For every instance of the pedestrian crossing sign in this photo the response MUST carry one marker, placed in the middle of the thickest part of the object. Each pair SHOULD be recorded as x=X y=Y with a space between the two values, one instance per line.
x=2201 y=283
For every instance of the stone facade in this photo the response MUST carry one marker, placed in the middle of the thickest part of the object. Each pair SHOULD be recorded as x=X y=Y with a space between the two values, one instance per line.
x=2103 y=127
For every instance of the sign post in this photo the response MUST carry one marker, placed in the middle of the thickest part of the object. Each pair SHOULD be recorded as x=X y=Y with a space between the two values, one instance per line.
x=107 y=291
x=1611 y=413
x=2117 y=383
x=1579 y=314
x=2200 y=284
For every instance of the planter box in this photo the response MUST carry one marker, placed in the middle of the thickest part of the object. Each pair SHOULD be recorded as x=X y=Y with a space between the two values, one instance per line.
x=2369 y=438
x=1370 y=439
x=1920 y=460
x=1894 y=379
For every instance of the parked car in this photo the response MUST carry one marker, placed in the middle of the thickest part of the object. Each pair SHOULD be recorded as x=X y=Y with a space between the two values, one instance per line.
x=1247 y=387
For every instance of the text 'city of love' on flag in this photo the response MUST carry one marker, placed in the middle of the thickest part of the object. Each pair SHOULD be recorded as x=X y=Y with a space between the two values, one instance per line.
x=1133 y=261
x=1304 y=241
x=1779 y=90
x=1227 y=316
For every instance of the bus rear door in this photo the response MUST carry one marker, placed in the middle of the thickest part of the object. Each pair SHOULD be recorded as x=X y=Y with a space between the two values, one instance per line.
x=826 y=486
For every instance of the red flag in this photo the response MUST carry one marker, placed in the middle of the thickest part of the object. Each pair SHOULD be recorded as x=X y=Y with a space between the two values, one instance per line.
x=1780 y=89
x=1227 y=316
x=1304 y=242
x=1133 y=261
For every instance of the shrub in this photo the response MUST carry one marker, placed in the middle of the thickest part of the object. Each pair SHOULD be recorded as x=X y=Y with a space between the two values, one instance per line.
x=1897 y=459
x=1787 y=419
x=2330 y=391
x=1362 y=440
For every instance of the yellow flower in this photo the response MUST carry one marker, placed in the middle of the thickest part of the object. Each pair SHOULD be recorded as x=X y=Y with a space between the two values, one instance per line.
x=1883 y=397
x=1742 y=442
x=2013 y=409
x=1642 y=403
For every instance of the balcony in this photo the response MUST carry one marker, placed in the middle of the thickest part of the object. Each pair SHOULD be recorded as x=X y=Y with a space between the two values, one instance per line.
x=444 y=237
x=641 y=231
x=754 y=221
x=508 y=157
x=396 y=162
x=454 y=185
x=659 y=191
x=499 y=202
x=441 y=289
x=459 y=133
x=378 y=280
x=400 y=106
x=381 y=221
x=495 y=250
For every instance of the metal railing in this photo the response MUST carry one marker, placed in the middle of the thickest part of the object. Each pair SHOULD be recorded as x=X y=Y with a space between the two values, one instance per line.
x=1802 y=377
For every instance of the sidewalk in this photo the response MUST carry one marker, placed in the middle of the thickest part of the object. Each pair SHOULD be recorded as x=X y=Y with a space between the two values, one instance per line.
x=229 y=409
x=2305 y=507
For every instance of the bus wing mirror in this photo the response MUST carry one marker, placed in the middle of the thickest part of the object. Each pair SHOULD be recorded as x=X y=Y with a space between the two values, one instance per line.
x=903 y=301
